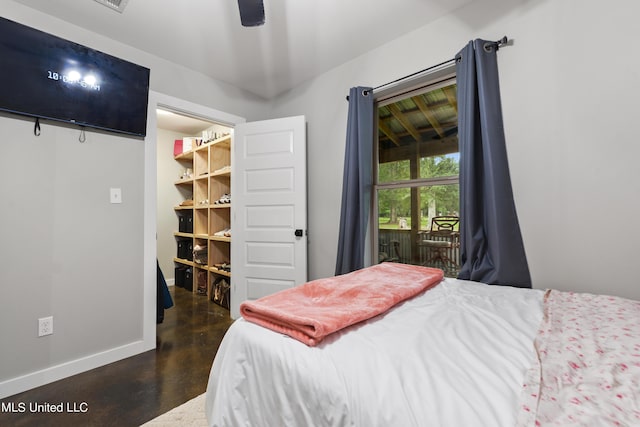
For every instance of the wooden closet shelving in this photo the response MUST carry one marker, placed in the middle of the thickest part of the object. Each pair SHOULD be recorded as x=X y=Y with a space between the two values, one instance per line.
x=209 y=179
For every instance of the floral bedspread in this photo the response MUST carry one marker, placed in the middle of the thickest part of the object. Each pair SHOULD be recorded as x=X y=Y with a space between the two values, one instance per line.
x=587 y=371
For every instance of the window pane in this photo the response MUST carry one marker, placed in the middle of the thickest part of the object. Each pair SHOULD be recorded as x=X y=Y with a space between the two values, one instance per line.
x=439 y=166
x=394 y=171
x=418 y=136
x=394 y=208
x=406 y=230
x=439 y=200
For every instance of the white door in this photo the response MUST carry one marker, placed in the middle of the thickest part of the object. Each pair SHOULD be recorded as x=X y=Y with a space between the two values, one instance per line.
x=269 y=208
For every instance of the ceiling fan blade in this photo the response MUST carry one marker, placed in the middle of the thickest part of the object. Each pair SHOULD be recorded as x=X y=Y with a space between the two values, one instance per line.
x=251 y=12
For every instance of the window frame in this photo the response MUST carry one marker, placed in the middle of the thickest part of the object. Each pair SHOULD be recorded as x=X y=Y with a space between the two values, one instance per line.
x=434 y=80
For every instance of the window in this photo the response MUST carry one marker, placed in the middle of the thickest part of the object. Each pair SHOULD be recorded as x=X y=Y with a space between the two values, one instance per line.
x=416 y=179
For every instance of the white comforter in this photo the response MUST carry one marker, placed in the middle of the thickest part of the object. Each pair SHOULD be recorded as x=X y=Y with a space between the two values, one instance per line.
x=453 y=356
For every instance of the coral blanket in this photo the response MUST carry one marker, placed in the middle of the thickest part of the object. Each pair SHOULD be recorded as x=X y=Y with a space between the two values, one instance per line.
x=312 y=311
x=587 y=372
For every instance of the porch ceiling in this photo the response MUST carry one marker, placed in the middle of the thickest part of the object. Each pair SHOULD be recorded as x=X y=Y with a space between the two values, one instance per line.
x=424 y=124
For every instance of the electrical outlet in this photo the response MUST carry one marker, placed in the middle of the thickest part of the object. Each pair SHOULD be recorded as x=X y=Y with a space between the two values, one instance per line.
x=115 y=195
x=45 y=326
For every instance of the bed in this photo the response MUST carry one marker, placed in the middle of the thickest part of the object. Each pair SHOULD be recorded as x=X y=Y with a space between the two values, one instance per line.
x=459 y=353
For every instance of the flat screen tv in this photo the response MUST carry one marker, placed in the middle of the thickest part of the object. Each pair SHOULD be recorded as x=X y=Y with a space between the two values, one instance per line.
x=48 y=77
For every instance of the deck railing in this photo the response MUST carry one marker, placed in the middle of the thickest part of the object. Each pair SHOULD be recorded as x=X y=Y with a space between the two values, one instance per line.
x=398 y=245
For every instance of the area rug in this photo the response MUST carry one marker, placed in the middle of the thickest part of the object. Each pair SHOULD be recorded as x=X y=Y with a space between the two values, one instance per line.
x=190 y=414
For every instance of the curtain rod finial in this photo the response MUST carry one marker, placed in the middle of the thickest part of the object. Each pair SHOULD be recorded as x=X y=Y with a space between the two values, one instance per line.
x=504 y=42
x=489 y=46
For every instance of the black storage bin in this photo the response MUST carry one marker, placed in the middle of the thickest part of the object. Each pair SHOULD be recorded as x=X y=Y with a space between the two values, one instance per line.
x=182 y=248
x=188 y=279
x=179 y=276
x=182 y=223
x=185 y=222
x=189 y=225
x=185 y=249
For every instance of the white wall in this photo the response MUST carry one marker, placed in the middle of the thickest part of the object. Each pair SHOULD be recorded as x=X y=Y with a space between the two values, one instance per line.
x=569 y=89
x=66 y=251
x=168 y=196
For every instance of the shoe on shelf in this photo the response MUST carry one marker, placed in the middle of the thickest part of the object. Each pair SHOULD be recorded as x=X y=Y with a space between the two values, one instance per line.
x=225 y=198
x=223 y=267
x=222 y=233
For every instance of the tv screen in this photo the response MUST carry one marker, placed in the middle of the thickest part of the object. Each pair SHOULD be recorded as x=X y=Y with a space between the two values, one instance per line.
x=45 y=76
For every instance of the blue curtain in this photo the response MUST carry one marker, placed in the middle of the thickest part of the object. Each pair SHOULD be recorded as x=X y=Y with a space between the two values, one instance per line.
x=356 y=182
x=491 y=248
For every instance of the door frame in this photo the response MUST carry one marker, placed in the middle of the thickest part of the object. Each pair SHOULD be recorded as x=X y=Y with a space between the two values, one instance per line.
x=181 y=106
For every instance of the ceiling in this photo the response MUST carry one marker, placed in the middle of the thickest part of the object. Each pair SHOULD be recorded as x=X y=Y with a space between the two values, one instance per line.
x=300 y=40
x=180 y=123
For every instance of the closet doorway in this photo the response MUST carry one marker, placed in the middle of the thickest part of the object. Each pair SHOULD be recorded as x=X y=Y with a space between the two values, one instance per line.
x=173 y=126
x=158 y=101
x=269 y=138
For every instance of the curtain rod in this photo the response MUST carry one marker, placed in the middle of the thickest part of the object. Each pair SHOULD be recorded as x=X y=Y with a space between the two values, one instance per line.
x=498 y=44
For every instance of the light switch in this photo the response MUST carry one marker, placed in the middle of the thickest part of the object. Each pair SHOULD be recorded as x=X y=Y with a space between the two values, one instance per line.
x=115 y=195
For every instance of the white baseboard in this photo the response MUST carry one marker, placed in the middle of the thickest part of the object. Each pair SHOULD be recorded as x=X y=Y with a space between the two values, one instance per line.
x=64 y=370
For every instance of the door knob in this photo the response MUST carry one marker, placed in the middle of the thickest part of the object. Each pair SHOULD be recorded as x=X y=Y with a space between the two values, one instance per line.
x=298 y=233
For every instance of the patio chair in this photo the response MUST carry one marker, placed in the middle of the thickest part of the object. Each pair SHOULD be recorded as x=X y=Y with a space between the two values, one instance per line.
x=441 y=241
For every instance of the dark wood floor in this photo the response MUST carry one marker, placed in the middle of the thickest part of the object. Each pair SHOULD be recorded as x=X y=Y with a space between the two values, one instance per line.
x=135 y=390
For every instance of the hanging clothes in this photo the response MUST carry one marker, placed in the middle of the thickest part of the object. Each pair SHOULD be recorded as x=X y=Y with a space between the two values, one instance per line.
x=163 y=297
